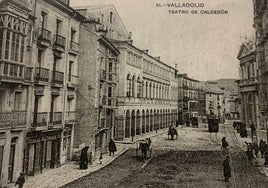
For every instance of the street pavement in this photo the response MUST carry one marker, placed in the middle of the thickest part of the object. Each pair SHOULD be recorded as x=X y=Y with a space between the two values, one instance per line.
x=189 y=139
x=69 y=172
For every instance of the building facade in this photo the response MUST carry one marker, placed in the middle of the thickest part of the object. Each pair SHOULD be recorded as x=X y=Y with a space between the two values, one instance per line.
x=16 y=82
x=187 y=98
x=54 y=57
x=249 y=84
x=147 y=88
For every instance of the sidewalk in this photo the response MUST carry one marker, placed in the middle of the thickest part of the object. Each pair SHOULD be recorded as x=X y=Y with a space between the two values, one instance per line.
x=242 y=144
x=69 y=172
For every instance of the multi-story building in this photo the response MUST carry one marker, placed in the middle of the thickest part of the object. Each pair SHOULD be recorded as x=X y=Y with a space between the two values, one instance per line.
x=16 y=83
x=214 y=103
x=145 y=85
x=249 y=83
x=187 y=98
x=53 y=54
x=232 y=107
x=261 y=31
x=98 y=81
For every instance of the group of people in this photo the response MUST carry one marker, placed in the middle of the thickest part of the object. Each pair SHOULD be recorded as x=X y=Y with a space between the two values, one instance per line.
x=86 y=159
x=241 y=129
x=254 y=149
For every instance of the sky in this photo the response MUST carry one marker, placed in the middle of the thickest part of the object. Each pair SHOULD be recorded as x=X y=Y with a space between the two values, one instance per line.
x=203 y=46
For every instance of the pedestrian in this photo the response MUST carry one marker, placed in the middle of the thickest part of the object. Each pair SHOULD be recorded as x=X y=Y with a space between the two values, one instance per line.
x=20 y=181
x=224 y=143
x=112 y=147
x=249 y=153
x=266 y=156
x=262 y=147
x=255 y=148
x=84 y=158
x=100 y=159
x=226 y=169
x=253 y=130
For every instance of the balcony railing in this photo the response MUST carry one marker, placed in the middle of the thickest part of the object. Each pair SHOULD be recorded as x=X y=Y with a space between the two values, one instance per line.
x=5 y=119
x=72 y=80
x=57 y=77
x=74 y=46
x=56 y=118
x=249 y=81
x=45 y=35
x=60 y=41
x=11 y=71
x=41 y=74
x=19 y=119
x=71 y=116
x=40 y=119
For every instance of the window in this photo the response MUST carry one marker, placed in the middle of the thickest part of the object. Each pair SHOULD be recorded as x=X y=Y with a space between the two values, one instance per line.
x=17 y=101
x=139 y=88
x=73 y=34
x=1 y=42
x=70 y=70
x=102 y=17
x=59 y=27
x=128 y=86
x=7 y=45
x=40 y=56
x=43 y=19
x=132 y=87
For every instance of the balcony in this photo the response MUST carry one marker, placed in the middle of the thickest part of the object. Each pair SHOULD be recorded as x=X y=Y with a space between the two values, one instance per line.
x=40 y=120
x=72 y=81
x=11 y=72
x=45 y=37
x=19 y=119
x=249 y=82
x=74 y=48
x=41 y=75
x=71 y=117
x=56 y=118
x=57 y=77
x=5 y=120
x=59 y=44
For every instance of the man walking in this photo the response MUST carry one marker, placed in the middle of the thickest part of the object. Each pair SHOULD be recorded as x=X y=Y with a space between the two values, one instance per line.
x=20 y=181
x=226 y=169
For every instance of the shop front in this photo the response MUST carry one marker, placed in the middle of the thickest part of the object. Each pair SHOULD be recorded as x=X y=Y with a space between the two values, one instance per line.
x=42 y=151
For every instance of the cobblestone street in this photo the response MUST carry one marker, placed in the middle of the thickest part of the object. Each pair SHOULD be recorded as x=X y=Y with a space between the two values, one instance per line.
x=193 y=160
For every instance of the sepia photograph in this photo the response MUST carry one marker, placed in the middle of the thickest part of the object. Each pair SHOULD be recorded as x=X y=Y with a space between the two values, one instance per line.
x=133 y=93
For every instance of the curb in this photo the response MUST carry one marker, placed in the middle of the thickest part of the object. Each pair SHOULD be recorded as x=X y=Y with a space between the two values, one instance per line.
x=102 y=166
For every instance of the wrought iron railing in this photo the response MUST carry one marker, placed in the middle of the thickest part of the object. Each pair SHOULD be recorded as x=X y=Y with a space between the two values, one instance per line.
x=41 y=74
x=57 y=77
x=40 y=119
x=60 y=41
x=45 y=35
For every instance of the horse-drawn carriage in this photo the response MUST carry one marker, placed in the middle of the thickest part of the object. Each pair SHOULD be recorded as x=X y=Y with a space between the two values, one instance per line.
x=172 y=132
x=145 y=146
x=213 y=123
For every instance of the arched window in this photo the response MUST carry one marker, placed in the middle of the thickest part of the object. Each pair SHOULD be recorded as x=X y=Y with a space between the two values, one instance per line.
x=143 y=122
x=128 y=86
x=127 y=125
x=150 y=90
x=139 y=88
x=146 y=90
x=133 y=87
x=133 y=123
x=153 y=95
